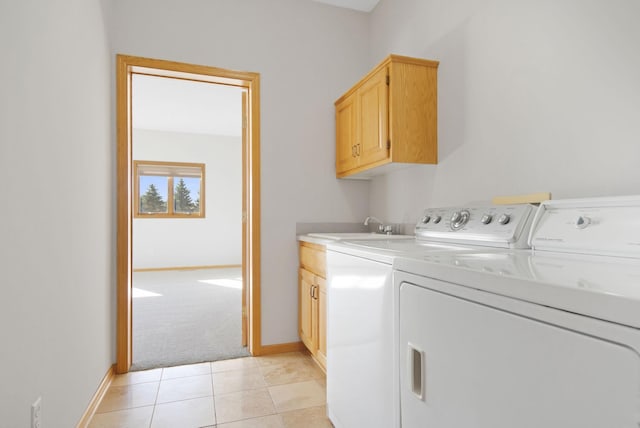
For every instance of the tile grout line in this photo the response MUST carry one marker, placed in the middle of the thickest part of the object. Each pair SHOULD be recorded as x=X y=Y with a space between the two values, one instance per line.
x=155 y=401
x=274 y=403
x=213 y=396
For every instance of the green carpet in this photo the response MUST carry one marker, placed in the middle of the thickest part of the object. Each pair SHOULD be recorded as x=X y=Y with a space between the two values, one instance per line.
x=186 y=317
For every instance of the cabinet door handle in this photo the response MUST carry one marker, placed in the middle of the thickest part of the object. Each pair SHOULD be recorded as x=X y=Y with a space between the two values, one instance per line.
x=313 y=294
x=311 y=291
x=358 y=149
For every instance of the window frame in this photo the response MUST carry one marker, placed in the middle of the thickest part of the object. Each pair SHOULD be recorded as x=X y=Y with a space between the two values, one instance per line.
x=167 y=167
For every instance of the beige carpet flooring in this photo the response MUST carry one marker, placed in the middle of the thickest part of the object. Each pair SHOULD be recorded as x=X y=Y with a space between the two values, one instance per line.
x=186 y=317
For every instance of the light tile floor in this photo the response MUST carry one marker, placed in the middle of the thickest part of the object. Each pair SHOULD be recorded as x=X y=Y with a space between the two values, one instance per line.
x=276 y=391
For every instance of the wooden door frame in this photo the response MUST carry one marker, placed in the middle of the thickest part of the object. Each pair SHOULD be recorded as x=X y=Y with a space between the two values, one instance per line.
x=126 y=66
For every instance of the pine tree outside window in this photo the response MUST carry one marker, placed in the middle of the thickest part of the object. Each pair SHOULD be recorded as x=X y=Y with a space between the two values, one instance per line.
x=168 y=189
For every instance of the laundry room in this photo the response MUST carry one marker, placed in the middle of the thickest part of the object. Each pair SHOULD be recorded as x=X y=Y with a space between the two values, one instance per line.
x=539 y=101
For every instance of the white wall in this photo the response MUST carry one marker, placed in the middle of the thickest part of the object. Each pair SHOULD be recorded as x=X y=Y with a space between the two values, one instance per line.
x=57 y=212
x=213 y=240
x=307 y=55
x=533 y=96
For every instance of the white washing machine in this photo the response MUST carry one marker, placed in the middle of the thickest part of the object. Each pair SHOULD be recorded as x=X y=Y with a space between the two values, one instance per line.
x=542 y=338
x=361 y=369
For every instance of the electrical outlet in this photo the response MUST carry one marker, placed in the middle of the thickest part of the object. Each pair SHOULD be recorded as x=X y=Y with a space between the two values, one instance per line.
x=36 y=413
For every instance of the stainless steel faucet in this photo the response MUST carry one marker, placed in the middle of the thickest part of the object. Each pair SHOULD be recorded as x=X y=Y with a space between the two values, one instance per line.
x=371 y=218
x=382 y=228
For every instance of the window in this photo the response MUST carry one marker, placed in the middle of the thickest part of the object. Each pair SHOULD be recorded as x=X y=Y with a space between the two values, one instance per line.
x=168 y=189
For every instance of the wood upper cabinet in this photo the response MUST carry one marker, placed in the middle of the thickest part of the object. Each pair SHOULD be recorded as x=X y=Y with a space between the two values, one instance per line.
x=346 y=119
x=312 y=314
x=388 y=118
x=373 y=119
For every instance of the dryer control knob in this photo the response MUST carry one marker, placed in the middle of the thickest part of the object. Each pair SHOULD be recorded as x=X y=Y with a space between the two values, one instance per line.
x=426 y=219
x=504 y=219
x=486 y=219
x=437 y=219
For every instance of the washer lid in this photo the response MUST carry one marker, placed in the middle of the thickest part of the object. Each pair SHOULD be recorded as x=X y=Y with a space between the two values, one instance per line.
x=409 y=246
x=602 y=226
x=386 y=251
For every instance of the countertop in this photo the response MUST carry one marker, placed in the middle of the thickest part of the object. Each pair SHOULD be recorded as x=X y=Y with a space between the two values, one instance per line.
x=331 y=237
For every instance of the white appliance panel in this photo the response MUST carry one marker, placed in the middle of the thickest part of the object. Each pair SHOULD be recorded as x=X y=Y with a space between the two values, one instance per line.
x=477 y=366
x=499 y=226
x=360 y=384
x=603 y=226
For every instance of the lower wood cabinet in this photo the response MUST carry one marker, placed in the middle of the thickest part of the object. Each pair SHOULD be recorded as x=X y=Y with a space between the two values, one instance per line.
x=312 y=319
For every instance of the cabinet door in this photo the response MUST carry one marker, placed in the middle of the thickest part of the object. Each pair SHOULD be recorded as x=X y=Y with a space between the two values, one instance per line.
x=306 y=311
x=321 y=300
x=346 y=150
x=373 y=101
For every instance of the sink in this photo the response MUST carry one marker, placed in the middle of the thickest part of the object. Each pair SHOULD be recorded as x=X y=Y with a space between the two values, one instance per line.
x=362 y=235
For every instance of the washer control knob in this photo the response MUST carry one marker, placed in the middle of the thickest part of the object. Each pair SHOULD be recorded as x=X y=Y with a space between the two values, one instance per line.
x=437 y=219
x=486 y=219
x=459 y=219
x=426 y=219
x=504 y=219
x=583 y=222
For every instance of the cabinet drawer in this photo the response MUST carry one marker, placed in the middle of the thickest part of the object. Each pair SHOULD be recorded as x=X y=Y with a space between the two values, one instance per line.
x=313 y=258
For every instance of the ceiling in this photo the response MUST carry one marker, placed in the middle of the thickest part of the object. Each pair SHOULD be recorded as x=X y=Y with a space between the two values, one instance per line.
x=362 y=5
x=166 y=104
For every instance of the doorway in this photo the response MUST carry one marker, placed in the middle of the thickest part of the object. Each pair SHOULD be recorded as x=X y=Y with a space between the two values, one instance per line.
x=127 y=68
